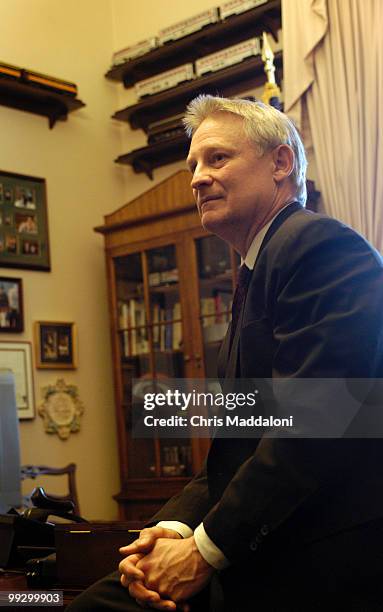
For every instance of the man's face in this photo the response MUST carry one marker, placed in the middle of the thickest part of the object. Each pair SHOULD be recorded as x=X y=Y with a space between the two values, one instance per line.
x=233 y=186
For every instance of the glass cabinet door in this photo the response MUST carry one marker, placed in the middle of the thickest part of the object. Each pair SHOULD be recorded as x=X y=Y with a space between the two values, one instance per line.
x=165 y=312
x=216 y=279
x=150 y=328
x=134 y=353
x=174 y=455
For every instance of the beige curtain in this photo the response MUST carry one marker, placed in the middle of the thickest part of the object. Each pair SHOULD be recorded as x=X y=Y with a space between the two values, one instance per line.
x=333 y=63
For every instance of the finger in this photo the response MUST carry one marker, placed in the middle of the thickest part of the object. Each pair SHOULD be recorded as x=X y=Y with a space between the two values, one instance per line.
x=146 y=597
x=145 y=541
x=139 y=591
x=167 y=606
x=128 y=568
x=130 y=548
x=126 y=580
x=129 y=564
x=132 y=559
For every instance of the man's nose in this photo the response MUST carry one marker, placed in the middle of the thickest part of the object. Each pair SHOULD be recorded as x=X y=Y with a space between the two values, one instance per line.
x=200 y=178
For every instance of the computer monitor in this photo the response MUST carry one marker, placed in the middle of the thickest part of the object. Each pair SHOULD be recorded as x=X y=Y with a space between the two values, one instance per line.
x=10 y=486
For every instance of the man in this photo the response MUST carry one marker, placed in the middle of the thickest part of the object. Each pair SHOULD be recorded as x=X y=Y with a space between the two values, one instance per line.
x=283 y=524
x=28 y=225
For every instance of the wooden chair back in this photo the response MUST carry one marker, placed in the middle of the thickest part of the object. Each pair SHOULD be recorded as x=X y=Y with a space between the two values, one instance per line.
x=34 y=471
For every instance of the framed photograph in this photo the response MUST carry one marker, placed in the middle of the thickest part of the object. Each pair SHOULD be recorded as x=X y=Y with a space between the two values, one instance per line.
x=55 y=345
x=24 y=240
x=17 y=357
x=11 y=305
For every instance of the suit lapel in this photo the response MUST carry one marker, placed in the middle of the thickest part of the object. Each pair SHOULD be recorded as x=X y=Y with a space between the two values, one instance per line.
x=276 y=224
x=229 y=366
x=223 y=355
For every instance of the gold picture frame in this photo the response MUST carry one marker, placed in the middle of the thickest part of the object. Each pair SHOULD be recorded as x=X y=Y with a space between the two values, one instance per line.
x=55 y=345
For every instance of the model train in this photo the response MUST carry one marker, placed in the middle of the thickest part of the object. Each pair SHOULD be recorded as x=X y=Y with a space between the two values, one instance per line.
x=184 y=28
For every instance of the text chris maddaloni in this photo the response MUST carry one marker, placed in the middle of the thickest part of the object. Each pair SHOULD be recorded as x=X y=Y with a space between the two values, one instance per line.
x=230 y=420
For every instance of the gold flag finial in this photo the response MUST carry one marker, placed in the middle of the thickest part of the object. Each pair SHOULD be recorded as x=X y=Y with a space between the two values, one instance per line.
x=267 y=58
x=271 y=93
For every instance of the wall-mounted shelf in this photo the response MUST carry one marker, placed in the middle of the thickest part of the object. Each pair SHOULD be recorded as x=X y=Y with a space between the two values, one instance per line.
x=227 y=82
x=33 y=99
x=156 y=155
x=234 y=29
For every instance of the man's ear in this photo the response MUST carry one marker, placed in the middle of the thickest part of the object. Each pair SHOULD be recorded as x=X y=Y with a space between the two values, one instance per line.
x=283 y=159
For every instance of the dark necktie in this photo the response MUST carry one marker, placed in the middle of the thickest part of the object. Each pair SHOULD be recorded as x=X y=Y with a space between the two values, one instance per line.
x=244 y=276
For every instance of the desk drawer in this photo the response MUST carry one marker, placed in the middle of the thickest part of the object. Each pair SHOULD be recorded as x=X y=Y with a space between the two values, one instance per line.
x=89 y=551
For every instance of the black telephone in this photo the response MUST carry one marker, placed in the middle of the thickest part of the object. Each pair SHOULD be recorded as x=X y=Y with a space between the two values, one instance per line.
x=29 y=534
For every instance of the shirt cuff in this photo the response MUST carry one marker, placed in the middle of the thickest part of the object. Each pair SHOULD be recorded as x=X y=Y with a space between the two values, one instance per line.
x=184 y=530
x=209 y=551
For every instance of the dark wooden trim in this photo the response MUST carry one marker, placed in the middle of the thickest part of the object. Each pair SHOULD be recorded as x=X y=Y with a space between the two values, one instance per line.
x=109 y=229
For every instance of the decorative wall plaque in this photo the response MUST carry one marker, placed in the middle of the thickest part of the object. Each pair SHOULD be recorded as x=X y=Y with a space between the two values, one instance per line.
x=61 y=409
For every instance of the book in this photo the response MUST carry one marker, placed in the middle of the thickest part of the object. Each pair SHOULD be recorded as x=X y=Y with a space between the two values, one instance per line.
x=132 y=324
x=208 y=311
x=156 y=334
x=162 y=329
x=168 y=329
x=123 y=323
x=177 y=326
x=142 y=344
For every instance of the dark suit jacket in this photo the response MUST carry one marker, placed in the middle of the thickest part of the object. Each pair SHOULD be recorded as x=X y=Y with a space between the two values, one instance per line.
x=314 y=308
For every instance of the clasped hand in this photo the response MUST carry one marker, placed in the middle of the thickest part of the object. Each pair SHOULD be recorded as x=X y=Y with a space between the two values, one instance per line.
x=161 y=570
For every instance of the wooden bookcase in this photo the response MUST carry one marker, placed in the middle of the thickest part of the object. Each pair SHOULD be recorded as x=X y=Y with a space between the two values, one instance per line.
x=151 y=248
x=170 y=289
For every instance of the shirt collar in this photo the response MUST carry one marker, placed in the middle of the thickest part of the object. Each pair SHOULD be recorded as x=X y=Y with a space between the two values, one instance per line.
x=255 y=246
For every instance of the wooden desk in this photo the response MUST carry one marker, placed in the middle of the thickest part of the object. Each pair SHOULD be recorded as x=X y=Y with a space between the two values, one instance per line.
x=98 y=542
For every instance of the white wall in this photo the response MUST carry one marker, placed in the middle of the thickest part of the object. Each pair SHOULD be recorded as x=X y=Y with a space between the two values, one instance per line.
x=73 y=41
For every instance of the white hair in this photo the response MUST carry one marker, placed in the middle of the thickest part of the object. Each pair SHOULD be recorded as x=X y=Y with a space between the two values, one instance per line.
x=265 y=127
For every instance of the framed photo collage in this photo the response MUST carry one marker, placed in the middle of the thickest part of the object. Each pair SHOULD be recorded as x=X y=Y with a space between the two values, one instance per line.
x=24 y=240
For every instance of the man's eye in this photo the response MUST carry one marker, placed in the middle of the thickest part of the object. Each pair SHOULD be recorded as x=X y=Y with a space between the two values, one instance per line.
x=219 y=157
